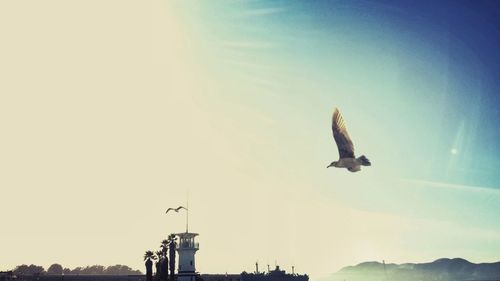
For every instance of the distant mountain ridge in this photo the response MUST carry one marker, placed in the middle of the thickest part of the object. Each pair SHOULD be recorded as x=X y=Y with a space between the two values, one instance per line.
x=439 y=270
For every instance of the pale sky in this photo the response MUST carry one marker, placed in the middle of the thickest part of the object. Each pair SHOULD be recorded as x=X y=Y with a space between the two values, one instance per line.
x=113 y=111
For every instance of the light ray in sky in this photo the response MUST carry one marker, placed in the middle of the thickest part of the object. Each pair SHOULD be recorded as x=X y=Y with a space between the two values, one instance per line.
x=472 y=188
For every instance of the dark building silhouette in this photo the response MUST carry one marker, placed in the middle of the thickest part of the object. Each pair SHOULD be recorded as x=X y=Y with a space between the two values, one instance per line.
x=273 y=275
x=7 y=276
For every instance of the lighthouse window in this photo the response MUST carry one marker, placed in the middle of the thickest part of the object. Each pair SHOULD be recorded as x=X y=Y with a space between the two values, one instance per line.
x=191 y=262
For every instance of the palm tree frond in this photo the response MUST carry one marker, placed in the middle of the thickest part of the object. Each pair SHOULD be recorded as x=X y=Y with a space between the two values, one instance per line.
x=149 y=255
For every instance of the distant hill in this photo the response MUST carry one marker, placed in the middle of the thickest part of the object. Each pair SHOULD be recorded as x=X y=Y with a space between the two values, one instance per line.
x=441 y=269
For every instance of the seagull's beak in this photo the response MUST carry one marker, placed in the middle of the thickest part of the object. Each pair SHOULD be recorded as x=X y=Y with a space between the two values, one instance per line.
x=329 y=166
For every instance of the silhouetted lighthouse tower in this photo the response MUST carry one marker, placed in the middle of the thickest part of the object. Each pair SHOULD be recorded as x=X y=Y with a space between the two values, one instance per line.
x=186 y=249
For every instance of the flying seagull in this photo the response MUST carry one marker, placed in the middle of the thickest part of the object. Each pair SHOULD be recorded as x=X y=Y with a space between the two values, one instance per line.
x=175 y=209
x=345 y=146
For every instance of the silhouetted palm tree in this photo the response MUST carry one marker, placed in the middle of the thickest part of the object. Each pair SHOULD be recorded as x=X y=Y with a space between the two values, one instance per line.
x=159 y=257
x=171 y=245
x=164 y=261
x=148 y=256
x=164 y=246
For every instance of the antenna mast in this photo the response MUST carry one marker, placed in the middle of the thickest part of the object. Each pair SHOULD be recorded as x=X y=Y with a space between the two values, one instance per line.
x=187 y=213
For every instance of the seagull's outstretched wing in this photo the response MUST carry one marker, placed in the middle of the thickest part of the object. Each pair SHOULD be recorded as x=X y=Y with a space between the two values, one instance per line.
x=344 y=143
x=175 y=209
x=180 y=207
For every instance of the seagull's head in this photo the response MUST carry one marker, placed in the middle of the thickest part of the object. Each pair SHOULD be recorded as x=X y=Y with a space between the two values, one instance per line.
x=333 y=164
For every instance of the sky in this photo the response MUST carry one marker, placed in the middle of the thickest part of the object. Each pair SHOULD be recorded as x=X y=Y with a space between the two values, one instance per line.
x=112 y=111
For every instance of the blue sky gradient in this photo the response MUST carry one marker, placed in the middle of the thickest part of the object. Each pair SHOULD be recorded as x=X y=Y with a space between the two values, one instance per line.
x=417 y=82
x=423 y=74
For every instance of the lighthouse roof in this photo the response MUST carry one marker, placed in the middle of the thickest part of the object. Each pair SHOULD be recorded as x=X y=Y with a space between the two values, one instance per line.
x=186 y=234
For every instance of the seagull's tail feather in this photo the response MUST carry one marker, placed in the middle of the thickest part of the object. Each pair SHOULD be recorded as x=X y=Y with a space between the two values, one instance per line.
x=364 y=161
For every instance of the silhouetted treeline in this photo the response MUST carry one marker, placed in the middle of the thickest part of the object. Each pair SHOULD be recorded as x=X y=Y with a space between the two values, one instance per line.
x=57 y=269
x=28 y=269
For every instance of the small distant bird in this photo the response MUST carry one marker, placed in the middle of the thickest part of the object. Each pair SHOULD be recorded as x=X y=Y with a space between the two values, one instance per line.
x=345 y=146
x=175 y=209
